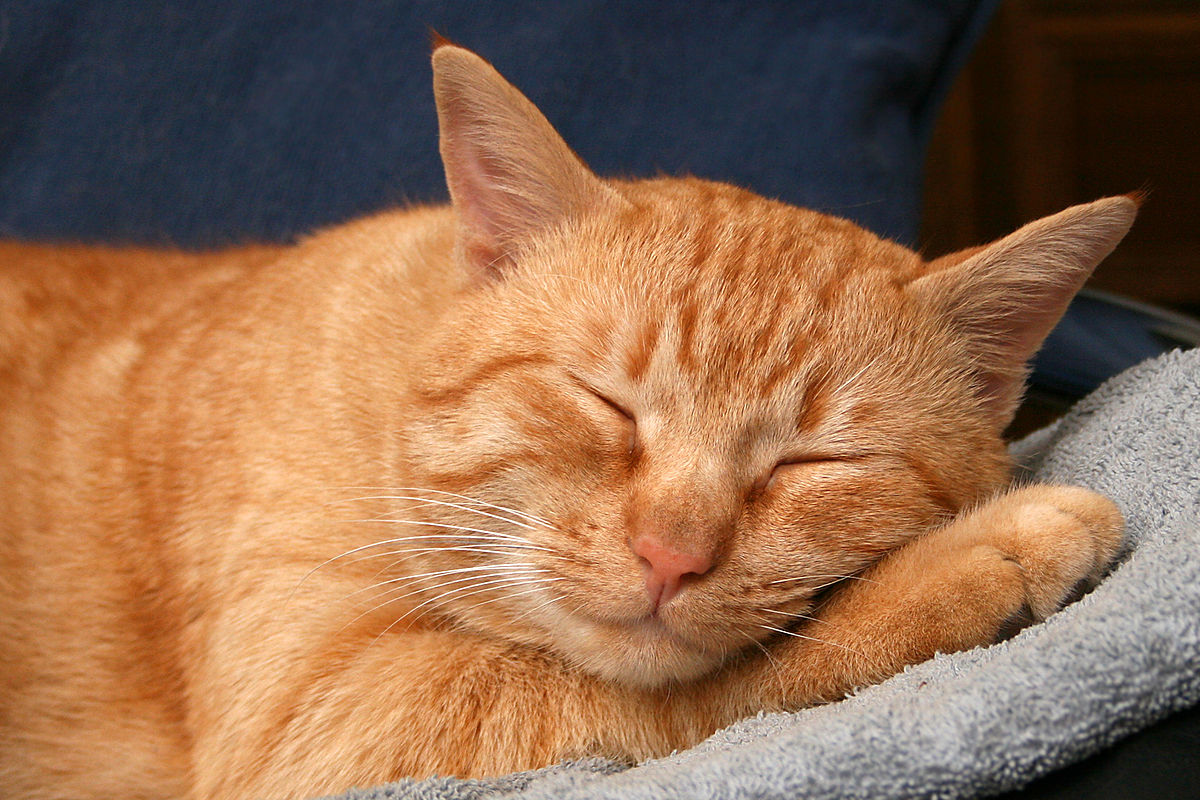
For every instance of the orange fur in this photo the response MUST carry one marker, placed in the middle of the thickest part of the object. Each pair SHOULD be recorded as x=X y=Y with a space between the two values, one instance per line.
x=208 y=463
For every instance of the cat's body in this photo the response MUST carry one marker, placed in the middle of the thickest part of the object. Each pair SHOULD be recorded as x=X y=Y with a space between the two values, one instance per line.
x=633 y=430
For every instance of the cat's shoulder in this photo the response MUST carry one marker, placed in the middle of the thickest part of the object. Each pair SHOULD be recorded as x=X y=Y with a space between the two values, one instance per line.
x=59 y=295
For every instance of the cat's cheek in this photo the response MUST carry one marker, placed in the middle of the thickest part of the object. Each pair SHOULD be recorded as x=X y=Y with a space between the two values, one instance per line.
x=840 y=517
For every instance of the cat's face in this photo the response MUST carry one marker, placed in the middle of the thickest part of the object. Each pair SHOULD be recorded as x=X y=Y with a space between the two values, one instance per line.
x=740 y=380
x=679 y=378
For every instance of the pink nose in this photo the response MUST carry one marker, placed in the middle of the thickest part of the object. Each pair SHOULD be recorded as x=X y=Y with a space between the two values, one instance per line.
x=666 y=567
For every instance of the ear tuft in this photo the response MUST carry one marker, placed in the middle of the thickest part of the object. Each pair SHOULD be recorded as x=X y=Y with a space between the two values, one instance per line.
x=1005 y=298
x=436 y=40
x=1139 y=196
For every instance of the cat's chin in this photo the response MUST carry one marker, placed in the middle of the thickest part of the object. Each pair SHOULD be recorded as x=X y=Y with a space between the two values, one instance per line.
x=644 y=653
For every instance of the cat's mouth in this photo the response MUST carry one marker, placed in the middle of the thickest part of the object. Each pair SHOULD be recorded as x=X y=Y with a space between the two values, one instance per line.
x=645 y=651
x=653 y=626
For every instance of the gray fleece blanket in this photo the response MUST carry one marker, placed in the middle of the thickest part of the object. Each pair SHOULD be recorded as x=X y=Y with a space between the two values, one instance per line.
x=993 y=718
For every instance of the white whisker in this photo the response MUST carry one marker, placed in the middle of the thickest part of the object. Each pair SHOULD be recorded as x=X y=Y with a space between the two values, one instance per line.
x=459 y=506
x=504 y=577
x=776 y=670
x=819 y=640
x=495 y=548
x=846 y=383
x=404 y=579
x=538 y=607
x=447 y=526
x=799 y=616
x=526 y=515
x=501 y=550
x=399 y=540
x=518 y=594
x=444 y=536
x=480 y=587
x=472 y=582
x=833 y=579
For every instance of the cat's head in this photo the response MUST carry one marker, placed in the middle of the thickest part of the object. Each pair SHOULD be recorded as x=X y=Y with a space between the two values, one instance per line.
x=665 y=414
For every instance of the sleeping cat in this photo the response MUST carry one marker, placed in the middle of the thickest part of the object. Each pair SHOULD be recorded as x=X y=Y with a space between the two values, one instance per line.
x=572 y=467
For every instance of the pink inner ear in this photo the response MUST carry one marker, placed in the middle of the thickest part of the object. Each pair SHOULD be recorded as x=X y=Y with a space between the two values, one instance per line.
x=510 y=174
x=494 y=216
x=473 y=183
x=474 y=191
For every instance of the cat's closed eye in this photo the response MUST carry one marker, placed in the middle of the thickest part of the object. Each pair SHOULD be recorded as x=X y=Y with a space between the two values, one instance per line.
x=623 y=416
x=789 y=467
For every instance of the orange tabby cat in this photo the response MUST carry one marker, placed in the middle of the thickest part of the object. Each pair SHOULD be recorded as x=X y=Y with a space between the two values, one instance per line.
x=467 y=490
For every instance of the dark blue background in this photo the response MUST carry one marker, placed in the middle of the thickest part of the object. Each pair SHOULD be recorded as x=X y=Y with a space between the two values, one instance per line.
x=205 y=123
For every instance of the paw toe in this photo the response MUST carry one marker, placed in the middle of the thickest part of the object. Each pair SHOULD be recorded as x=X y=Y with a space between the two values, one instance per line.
x=1021 y=619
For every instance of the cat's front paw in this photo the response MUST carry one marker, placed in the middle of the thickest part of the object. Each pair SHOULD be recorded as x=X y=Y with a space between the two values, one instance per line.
x=1008 y=563
x=1062 y=538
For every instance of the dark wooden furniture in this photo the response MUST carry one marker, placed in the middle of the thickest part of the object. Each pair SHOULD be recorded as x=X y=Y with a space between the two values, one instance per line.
x=1066 y=101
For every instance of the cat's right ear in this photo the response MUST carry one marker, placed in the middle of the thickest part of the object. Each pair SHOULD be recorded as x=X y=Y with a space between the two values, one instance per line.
x=509 y=173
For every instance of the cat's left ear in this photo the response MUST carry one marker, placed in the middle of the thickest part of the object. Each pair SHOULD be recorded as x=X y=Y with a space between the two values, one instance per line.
x=509 y=172
x=1006 y=297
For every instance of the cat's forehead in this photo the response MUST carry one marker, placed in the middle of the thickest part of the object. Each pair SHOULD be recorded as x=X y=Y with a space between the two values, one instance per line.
x=706 y=296
x=732 y=282
x=732 y=244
